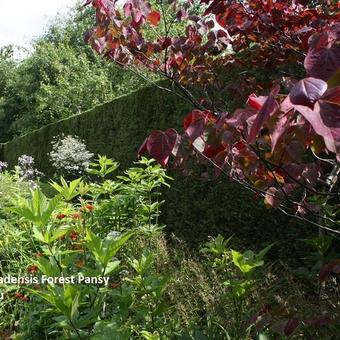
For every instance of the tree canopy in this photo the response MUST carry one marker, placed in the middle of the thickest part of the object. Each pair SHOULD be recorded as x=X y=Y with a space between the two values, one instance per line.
x=284 y=143
x=60 y=77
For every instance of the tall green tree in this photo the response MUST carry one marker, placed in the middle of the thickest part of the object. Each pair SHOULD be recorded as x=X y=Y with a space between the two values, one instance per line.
x=62 y=76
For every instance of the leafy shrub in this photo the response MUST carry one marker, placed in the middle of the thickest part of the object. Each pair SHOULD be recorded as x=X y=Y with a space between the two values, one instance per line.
x=157 y=288
x=63 y=236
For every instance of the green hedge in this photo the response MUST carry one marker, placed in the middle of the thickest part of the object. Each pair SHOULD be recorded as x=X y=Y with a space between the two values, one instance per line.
x=194 y=207
x=116 y=128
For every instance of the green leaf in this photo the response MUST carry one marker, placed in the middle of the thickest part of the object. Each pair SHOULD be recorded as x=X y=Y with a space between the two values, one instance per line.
x=48 y=266
x=249 y=261
x=47 y=296
x=59 y=232
x=320 y=244
x=111 y=267
x=150 y=336
x=108 y=330
x=104 y=250
x=115 y=245
x=37 y=234
x=67 y=191
x=264 y=251
x=38 y=209
x=263 y=336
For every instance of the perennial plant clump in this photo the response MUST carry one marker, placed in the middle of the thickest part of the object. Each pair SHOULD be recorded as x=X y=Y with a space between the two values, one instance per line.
x=26 y=170
x=3 y=166
x=69 y=155
x=154 y=287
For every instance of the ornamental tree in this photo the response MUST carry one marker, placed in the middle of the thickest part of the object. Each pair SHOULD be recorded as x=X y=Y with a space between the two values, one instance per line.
x=284 y=143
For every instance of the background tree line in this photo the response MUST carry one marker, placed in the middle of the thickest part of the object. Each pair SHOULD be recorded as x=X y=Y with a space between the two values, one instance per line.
x=61 y=76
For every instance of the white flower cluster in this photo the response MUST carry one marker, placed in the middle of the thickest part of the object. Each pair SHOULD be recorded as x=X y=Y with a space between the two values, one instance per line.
x=27 y=171
x=3 y=166
x=114 y=234
x=69 y=155
x=27 y=168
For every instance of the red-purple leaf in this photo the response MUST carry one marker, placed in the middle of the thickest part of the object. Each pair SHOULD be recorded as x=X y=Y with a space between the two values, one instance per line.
x=143 y=149
x=322 y=320
x=211 y=151
x=307 y=91
x=195 y=123
x=256 y=102
x=330 y=114
x=221 y=160
x=295 y=150
x=314 y=118
x=267 y=109
x=160 y=145
x=137 y=15
x=328 y=268
x=291 y=326
x=323 y=58
x=273 y=197
x=280 y=128
x=332 y=95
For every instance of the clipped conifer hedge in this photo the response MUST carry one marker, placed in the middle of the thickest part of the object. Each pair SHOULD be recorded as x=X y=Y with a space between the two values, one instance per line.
x=194 y=206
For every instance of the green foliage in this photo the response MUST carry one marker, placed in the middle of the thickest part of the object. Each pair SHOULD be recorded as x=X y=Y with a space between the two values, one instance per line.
x=38 y=209
x=104 y=250
x=118 y=128
x=66 y=230
x=249 y=261
x=115 y=129
x=157 y=288
x=104 y=167
x=68 y=190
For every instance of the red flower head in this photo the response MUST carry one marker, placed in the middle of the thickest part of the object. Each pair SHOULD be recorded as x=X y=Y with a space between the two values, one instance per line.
x=25 y=299
x=60 y=216
x=18 y=295
x=74 y=236
x=32 y=269
x=90 y=207
x=80 y=263
x=76 y=216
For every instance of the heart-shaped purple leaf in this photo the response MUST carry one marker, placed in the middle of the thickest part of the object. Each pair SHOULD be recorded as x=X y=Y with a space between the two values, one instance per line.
x=307 y=91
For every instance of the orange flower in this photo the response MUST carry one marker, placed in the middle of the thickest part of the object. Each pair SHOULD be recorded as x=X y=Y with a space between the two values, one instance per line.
x=76 y=216
x=90 y=207
x=32 y=269
x=114 y=285
x=60 y=216
x=25 y=299
x=74 y=236
x=21 y=297
x=18 y=295
x=80 y=263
